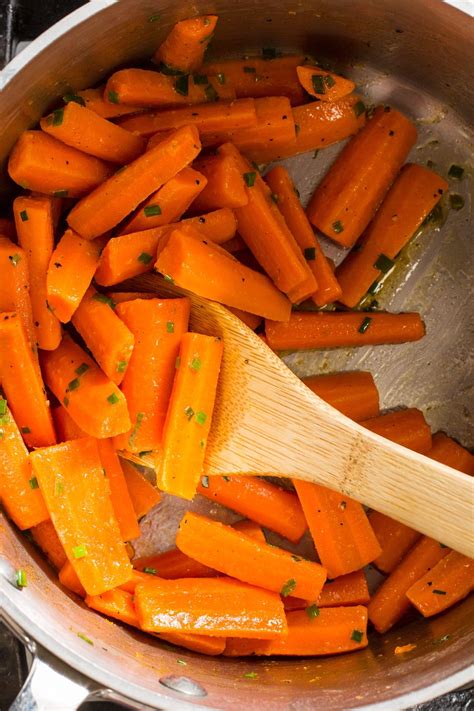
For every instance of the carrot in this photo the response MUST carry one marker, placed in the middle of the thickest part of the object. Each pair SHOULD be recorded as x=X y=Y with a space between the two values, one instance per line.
x=284 y=192
x=395 y=540
x=66 y=428
x=410 y=199
x=263 y=502
x=106 y=335
x=143 y=495
x=311 y=633
x=15 y=286
x=236 y=244
x=211 y=646
x=352 y=393
x=449 y=581
x=71 y=268
x=137 y=578
x=184 y=47
x=350 y=589
x=173 y=565
x=93 y=99
x=390 y=603
x=448 y=451
x=251 y=320
x=142 y=87
x=235 y=554
x=208 y=118
x=70 y=580
x=22 y=383
x=19 y=492
x=40 y=162
x=325 y=86
x=405 y=427
x=250 y=528
x=93 y=401
x=211 y=606
x=45 y=536
x=261 y=76
x=157 y=326
x=168 y=203
x=133 y=254
x=7 y=229
x=342 y=209
x=76 y=494
x=225 y=184
x=206 y=270
x=306 y=330
x=119 y=195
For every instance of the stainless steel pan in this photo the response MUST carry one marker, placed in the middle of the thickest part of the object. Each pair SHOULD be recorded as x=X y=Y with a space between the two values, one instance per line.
x=418 y=55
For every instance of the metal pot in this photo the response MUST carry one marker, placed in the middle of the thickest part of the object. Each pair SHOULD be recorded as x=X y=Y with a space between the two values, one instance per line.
x=418 y=54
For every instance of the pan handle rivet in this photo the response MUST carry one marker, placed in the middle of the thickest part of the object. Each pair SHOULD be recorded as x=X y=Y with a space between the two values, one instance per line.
x=183 y=685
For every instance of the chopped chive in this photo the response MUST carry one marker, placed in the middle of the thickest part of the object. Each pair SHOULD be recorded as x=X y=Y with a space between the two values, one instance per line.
x=170 y=326
x=211 y=93
x=104 y=299
x=274 y=198
x=205 y=482
x=270 y=53
x=155 y=17
x=33 y=482
x=384 y=263
x=439 y=592
x=456 y=171
x=201 y=417
x=456 y=201
x=250 y=179
x=26 y=430
x=121 y=366
x=288 y=587
x=168 y=278
x=20 y=579
x=189 y=412
x=85 y=638
x=442 y=639
x=58 y=487
x=329 y=81
x=196 y=363
x=58 y=117
x=312 y=611
x=319 y=85
x=150 y=571
x=66 y=401
x=73 y=385
x=169 y=71
x=310 y=254
x=79 y=552
x=357 y=636
x=250 y=70
x=145 y=258
x=134 y=432
x=60 y=193
x=226 y=478
x=24 y=216
x=250 y=675
x=364 y=325
x=14 y=259
x=83 y=368
x=200 y=79
x=3 y=407
x=177 y=362
x=181 y=85
x=220 y=76
x=113 y=97
x=338 y=226
x=359 y=108
x=152 y=210
x=67 y=98
x=113 y=399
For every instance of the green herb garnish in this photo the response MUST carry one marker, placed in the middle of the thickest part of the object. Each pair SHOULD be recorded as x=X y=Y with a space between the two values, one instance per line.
x=67 y=98
x=20 y=579
x=3 y=407
x=364 y=325
x=150 y=571
x=113 y=97
x=113 y=399
x=384 y=263
x=205 y=482
x=155 y=17
x=170 y=326
x=66 y=401
x=200 y=79
x=201 y=417
x=456 y=201
x=134 y=432
x=104 y=299
x=169 y=71
x=145 y=258
x=439 y=592
x=338 y=226
x=359 y=108
x=288 y=587
x=73 y=385
x=329 y=81
x=79 y=552
x=250 y=179
x=181 y=85
x=250 y=675
x=168 y=278
x=456 y=171
x=310 y=254
x=196 y=363
x=58 y=117
x=121 y=366
x=84 y=638
x=312 y=611
x=83 y=368
x=319 y=85
x=61 y=193
x=152 y=210
x=189 y=412
x=24 y=216
x=211 y=93
x=357 y=636
x=33 y=482
x=14 y=259
x=25 y=430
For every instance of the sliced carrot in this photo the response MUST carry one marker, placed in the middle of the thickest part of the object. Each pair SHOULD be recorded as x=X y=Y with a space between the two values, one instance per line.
x=225 y=184
x=354 y=394
x=106 y=335
x=236 y=244
x=7 y=229
x=184 y=47
x=93 y=401
x=93 y=99
x=173 y=565
x=395 y=540
x=390 y=603
x=444 y=585
x=325 y=86
x=250 y=528
x=406 y=427
x=448 y=451
x=65 y=426
x=77 y=497
x=137 y=578
x=285 y=193
x=15 y=286
x=85 y=130
x=350 y=589
x=212 y=646
x=235 y=554
x=157 y=326
x=45 y=536
x=218 y=226
x=211 y=606
x=311 y=633
x=143 y=494
x=40 y=162
x=251 y=320
x=263 y=502
x=342 y=209
x=70 y=580
x=123 y=192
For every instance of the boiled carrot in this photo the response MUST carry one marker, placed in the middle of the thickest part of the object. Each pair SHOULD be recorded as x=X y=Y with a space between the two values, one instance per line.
x=448 y=451
x=350 y=589
x=342 y=209
x=325 y=86
x=225 y=184
x=7 y=229
x=444 y=585
x=218 y=226
x=395 y=540
x=137 y=578
x=405 y=427
x=143 y=494
x=173 y=565
x=93 y=99
x=251 y=320
x=184 y=47
x=250 y=528
x=235 y=245
x=45 y=536
x=15 y=286
x=119 y=195
x=70 y=580
x=352 y=393
x=66 y=428
x=211 y=646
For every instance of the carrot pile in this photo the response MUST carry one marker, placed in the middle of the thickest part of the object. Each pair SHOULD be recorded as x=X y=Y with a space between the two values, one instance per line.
x=159 y=170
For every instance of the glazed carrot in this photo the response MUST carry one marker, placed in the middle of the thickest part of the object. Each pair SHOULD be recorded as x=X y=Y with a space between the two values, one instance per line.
x=251 y=320
x=263 y=502
x=395 y=540
x=410 y=199
x=350 y=589
x=284 y=192
x=93 y=401
x=211 y=646
x=71 y=268
x=40 y=162
x=225 y=184
x=352 y=393
x=325 y=86
x=250 y=528
x=184 y=47
x=236 y=244
x=143 y=495
x=19 y=491
x=70 y=580
x=66 y=428
x=390 y=603
x=235 y=554
x=76 y=494
x=22 y=383
x=261 y=76
x=446 y=583
x=7 y=229
x=133 y=254
x=448 y=451
x=15 y=286
x=46 y=538
x=406 y=427
x=117 y=197
x=168 y=203
x=339 y=527
x=106 y=335
x=342 y=209
x=93 y=99
x=311 y=633
x=137 y=578
x=157 y=326
x=211 y=606
x=207 y=270
x=173 y=565
x=208 y=118
x=142 y=87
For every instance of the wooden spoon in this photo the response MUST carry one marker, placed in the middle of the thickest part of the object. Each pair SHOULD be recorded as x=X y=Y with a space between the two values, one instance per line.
x=267 y=422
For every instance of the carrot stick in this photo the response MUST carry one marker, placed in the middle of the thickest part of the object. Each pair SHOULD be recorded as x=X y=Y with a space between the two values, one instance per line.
x=22 y=383
x=306 y=330
x=406 y=427
x=448 y=451
x=173 y=565
x=390 y=603
x=350 y=589
x=106 y=335
x=311 y=633
x=225 y=184
x=143 y=495
x=410 y=199
x=250 y=528
x=137 y=578
x=66 y=428
x=120 y=497
x=70 y=580
x=39 y=162
x=263 y=502
x=236 y=244
x=93 y=401
x=45 y=536
x=71 y=268
x=325 y=86
x=207 y=270
x=93 y=99
x=211 y=646
x=446 y=583
x=15 y=286
x=123 y=192
x=395 y=540
x=168 y=203
x=76 y=494
x=235 y=554
x=7 y=229
x=352 y=393
x=184 y=47
x=157 y=326
x=251 y=320
x=218 y=226
x=19 y=491
x=342 y=209
x=284 y=191
x=211 y=606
